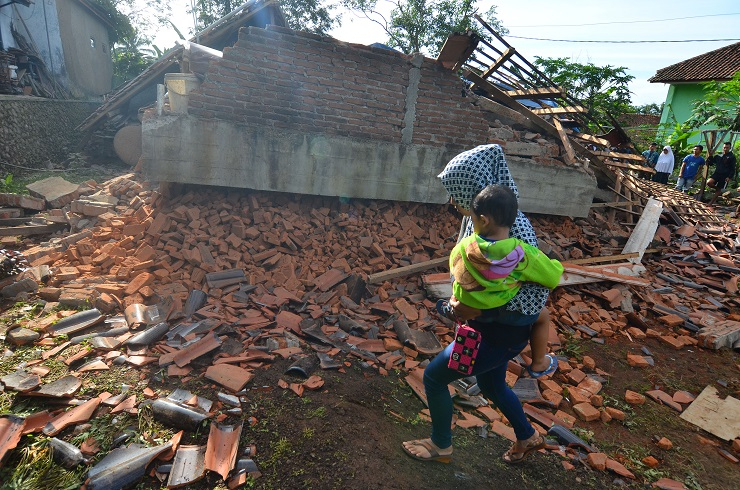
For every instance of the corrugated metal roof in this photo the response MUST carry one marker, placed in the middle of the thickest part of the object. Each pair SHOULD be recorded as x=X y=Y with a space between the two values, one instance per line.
x=720 y=64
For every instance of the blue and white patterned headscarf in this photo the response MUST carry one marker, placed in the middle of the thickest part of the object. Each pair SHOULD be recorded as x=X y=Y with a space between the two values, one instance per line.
x=471 y=171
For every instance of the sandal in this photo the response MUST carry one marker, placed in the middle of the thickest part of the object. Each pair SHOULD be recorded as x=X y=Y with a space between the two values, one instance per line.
x=444 y=309
x=550 y=369
x=433 y=453
x=514 y=456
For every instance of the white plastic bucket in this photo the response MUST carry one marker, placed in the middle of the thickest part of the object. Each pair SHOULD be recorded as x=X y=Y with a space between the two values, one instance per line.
x=179 y=86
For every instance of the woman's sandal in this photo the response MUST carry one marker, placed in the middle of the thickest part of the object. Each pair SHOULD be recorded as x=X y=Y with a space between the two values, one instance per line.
x=433 y=453
x=516 y=456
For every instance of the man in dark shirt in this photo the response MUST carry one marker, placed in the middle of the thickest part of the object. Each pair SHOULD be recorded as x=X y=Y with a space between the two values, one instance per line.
x=723 y=172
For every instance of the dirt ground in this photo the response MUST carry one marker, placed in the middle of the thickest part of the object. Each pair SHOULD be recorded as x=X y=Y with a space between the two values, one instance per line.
x=349 y=434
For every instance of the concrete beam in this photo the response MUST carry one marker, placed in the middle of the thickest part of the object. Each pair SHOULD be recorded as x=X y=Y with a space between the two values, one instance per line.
x=186 y=149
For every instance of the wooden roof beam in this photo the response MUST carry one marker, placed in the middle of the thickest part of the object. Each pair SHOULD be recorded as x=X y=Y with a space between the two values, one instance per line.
x=560 y=110
x=536 y=93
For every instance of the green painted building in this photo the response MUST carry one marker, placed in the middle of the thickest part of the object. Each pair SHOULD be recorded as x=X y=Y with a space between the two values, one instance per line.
x=685 y=79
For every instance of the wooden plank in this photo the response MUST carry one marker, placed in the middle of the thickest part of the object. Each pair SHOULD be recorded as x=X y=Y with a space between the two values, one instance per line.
x=644 y=232
x=623 y=156
x=15 y=221
x=536 y=93
x=569 y=153
x=560 y=110
x=499 y=95
x=32 y=229
x=615 y=204
x=407 y=270
x=604 y=273
x=589 y=137
x=628 y=166
x=617 y=188
x=500 y=61
x=456 y=49
x=605 y=258
x=716 y=416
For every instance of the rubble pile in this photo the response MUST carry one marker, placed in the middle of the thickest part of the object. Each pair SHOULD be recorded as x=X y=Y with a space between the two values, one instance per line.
x=218 y=284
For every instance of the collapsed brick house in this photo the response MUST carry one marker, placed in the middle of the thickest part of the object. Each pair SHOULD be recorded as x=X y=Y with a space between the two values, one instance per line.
x=294 y=112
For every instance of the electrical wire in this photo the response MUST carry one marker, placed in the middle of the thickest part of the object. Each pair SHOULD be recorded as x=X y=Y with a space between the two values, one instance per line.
x=622 y=42
x=630 y=21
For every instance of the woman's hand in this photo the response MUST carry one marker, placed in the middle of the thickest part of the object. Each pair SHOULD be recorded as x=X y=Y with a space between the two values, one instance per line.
x=463 y=312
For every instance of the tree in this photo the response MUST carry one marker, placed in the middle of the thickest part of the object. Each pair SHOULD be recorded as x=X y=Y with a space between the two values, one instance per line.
x=652 y=109
x=720 y=106
x=423 y=25
x=601 y=89
x=307 y=15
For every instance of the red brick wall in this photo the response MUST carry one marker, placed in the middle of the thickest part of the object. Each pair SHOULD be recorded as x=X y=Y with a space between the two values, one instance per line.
x=293 y=80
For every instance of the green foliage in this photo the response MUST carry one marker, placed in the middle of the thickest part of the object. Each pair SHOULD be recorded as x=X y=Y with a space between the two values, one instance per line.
x=653 y=109
x=423 y=25
x=601 y=89
x=306 y=15
x=130 y=57
x=720 y=106
x=11 y=186
x=309 y=15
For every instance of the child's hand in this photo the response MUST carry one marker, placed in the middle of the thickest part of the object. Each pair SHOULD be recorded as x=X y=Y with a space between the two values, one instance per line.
x=463 y=312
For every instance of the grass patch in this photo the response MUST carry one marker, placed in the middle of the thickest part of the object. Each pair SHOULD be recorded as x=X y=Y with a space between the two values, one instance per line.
x=31 y=468
x=573 y=347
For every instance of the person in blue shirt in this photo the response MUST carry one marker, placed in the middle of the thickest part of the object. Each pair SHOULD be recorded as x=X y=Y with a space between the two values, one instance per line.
x=689 y=169
x=651 y=158
x=651 y=155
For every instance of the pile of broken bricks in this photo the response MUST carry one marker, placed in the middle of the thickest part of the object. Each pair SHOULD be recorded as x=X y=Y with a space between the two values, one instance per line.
x=215 y=284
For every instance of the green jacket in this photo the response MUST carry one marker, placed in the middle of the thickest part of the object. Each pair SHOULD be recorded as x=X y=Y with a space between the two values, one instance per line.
x=489 y=273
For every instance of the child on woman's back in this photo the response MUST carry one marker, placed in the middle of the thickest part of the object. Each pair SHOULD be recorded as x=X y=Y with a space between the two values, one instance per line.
x=489 y=268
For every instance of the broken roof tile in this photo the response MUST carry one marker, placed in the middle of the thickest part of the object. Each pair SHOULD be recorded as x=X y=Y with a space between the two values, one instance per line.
x=188 y=466
x=205 y=345
x=76 y=415
x=221 y=449
x=231 y=377
x=11 y=430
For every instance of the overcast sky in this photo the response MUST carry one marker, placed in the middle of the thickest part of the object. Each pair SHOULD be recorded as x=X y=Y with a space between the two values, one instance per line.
x=623 y=20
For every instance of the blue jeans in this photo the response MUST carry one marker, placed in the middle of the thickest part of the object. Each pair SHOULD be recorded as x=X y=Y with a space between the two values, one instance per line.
x=685 y=184
x=490 y=371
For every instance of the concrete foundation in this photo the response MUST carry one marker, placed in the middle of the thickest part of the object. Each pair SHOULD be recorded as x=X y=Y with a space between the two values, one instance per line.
x=186 y=149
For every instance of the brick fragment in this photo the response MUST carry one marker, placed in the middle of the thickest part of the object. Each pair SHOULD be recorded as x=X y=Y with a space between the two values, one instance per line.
x=597 y=461
x=637 y=361
x=664 y=443
x=143 y=279
x=615 y=413
x=671 y=320
x=634 y=398
x=669 y=484
x=586 y=412
x=619 y=469
x=650 y=462
x=589 y=363
x=671 y=341
x=576 y=376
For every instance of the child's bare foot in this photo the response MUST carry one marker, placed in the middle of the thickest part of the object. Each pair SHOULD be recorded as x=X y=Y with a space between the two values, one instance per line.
x=543 y=367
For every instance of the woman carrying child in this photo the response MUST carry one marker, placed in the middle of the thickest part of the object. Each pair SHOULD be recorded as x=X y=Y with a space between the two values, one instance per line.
x=507 y=327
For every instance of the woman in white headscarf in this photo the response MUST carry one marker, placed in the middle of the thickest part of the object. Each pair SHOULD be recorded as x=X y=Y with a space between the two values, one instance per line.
x=664 y=167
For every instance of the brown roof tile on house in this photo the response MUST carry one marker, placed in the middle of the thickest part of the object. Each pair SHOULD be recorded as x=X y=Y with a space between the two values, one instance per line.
x=631 y=120
x=720 y=64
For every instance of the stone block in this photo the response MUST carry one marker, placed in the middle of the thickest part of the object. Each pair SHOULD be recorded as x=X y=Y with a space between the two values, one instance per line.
x=723 y=334
x=55 y=190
